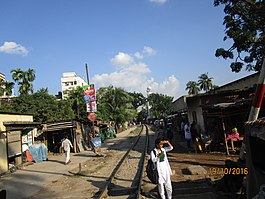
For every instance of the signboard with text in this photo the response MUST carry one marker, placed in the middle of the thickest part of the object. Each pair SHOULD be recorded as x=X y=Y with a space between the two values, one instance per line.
x=89 y=93
x=91 y=106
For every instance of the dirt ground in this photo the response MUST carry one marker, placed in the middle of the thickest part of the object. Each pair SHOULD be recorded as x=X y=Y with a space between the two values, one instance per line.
x=96 y=171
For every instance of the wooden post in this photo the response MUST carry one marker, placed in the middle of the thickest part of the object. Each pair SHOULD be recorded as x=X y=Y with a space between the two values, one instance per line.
x=226 y=145
x=80 y=167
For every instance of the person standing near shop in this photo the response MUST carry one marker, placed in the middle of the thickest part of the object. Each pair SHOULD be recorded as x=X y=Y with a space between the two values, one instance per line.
x=67 y=145
x=187 y=134
x=159 y=158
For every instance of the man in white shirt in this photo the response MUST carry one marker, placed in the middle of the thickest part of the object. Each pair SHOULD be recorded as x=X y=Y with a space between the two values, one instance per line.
x=187 y=135
x=67 y=145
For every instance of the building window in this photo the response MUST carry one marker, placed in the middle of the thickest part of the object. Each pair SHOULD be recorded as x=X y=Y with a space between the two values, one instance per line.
x=75 y=82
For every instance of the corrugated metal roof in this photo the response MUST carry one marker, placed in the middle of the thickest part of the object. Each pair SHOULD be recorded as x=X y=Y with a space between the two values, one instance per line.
x=58 y=126
x=260 y=121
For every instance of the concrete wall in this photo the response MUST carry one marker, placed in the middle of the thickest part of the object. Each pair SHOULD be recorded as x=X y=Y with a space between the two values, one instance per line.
x=3 y=154
x=4 y=117
x=195 y=107
x=180 y=104
x=241 y=84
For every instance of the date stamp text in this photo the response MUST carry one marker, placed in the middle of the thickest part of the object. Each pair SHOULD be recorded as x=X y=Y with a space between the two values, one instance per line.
x=229 y=171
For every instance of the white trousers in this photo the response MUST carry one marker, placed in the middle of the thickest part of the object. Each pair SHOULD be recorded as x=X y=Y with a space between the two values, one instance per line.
x=67 y=156
x=161 y=189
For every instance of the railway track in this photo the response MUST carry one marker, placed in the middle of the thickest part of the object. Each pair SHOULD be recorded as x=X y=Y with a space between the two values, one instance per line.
x=122 y=183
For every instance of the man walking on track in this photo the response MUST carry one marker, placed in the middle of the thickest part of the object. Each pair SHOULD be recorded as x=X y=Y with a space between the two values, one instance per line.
x=67 y=145
x=159 y=157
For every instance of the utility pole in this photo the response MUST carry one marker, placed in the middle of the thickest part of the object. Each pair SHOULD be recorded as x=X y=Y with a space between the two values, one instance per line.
x=148 y=90
x=253 y=177
x=87 y=78
x=90 y=103
x=259 y=94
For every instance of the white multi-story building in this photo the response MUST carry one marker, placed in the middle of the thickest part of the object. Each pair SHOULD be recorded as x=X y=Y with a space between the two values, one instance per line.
x=2 y=76
x=70 y=81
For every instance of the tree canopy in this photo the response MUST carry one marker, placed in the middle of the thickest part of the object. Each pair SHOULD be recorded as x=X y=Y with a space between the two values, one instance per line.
x=6 y=87
x=43 y=106
x=138 y=99
x=24 y=80
x=244 y=24
x=192 y=87
x=115 y=104
x=160 y=104
x=204 y=84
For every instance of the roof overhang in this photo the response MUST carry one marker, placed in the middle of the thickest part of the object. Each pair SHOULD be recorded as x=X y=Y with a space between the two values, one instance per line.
x=57 y=126
x=21 y=125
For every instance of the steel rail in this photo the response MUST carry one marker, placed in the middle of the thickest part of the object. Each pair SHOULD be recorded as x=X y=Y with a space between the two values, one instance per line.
x=105 y=190
x=143 y=160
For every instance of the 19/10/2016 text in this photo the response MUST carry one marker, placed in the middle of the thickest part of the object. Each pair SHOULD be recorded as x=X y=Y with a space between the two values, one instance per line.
x=229 y=171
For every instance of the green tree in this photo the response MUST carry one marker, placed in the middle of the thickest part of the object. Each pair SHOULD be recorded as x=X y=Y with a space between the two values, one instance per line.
x=78 y=103
x=244 y=23
x=43 y=107
x=16 y=75
x=192 y=87
x=115 y=104
x=6 y=87
x=205 y=82
x=138 y=99
x=25 y=85
x=160 y=104
x=24 y=80
x=31 y=75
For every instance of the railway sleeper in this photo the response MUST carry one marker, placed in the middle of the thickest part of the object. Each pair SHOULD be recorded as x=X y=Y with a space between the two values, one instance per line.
x=122 y=191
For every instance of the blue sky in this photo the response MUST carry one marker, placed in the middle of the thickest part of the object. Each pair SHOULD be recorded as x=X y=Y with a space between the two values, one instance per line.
x=133 y=44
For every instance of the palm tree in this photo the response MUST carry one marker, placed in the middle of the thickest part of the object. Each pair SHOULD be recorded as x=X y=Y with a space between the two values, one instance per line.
x=6 y=87
x=115 y=104
x=16 y=75
x=31 y=75
x=25 y=87
x=2 y=84
x=192 y=87
x=24 y=79
x=79 y=105
x=205 y=82
x=119 y=105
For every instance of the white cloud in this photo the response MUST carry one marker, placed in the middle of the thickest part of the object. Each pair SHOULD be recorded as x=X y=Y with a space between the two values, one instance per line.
x=13 y=48
x=149 y=51
x=138 y=55
x=170 y=86
x=129 y=77
x=146 y=51
x=122 y=59
x=158 y=1
x=134 y=77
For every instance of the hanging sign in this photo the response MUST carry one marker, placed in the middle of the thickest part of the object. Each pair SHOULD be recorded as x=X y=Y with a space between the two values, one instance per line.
x=91 y=106
x=92 y=117
x=89 y=93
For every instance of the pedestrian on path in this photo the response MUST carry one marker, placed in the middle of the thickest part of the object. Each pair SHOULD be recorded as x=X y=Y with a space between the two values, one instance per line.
x=67 y=145
x=159 y=157
x=187 y=134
